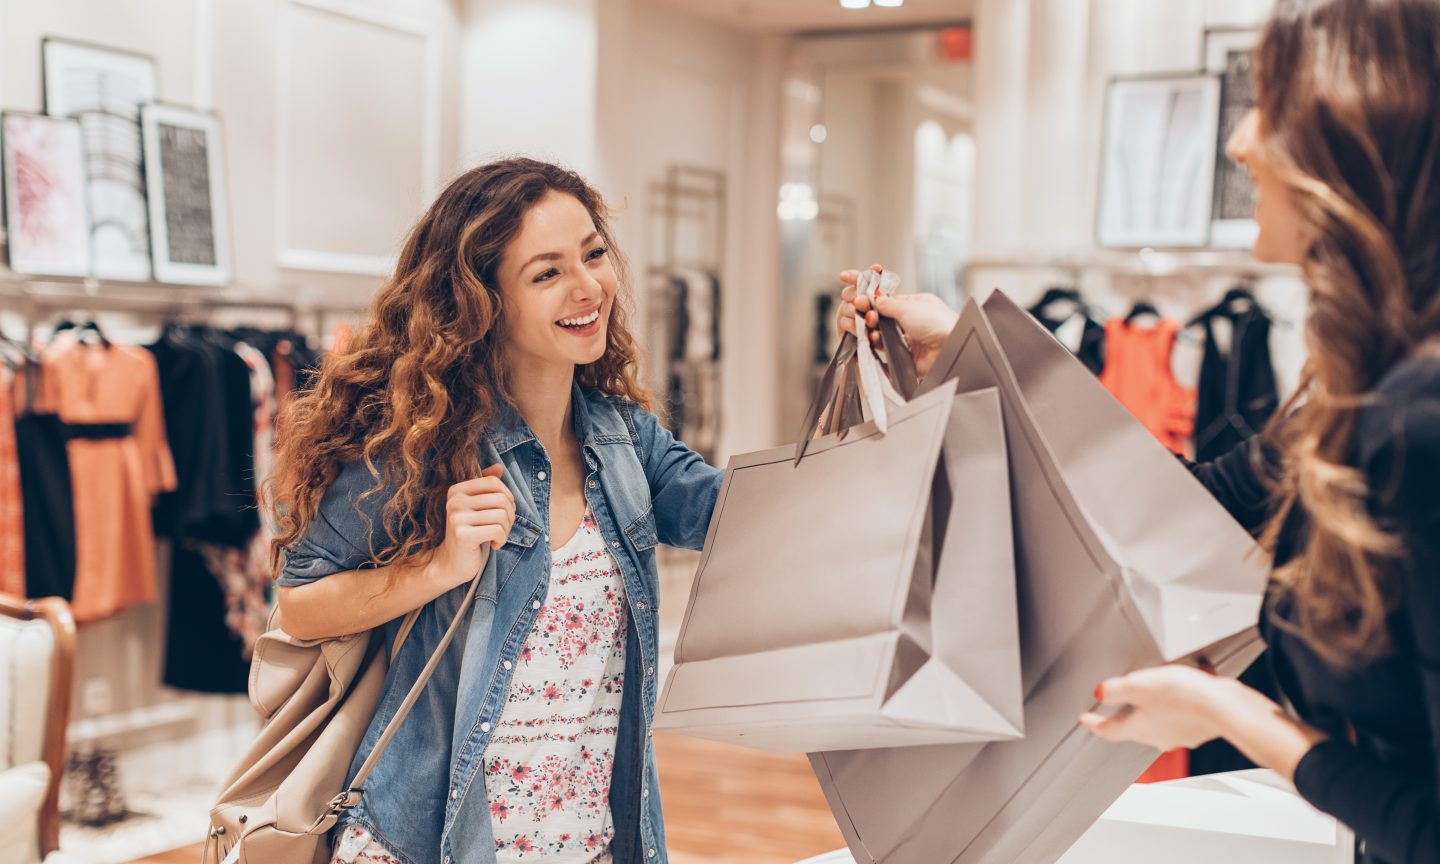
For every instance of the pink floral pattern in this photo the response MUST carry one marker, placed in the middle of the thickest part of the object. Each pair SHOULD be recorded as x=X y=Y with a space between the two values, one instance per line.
x=356 y=846
x=548 y=764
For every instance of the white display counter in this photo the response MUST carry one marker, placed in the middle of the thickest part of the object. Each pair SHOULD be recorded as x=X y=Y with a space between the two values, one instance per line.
x=1248 y=817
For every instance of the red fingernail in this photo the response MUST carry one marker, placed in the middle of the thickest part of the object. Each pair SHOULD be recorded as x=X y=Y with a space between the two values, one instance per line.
x=1100 y=692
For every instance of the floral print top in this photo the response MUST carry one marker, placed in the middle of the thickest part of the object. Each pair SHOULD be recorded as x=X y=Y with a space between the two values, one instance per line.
x=548 y=762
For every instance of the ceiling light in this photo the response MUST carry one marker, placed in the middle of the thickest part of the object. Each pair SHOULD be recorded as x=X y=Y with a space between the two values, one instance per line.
x=854 y=4
x=818 y=133
x=891 y=4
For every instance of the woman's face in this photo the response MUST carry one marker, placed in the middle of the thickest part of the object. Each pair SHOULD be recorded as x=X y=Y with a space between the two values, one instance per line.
x=1281 y=239
x=559 y=286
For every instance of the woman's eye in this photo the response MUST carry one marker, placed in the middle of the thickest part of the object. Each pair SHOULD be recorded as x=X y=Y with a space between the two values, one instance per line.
x=547 y=275
x=597 y=253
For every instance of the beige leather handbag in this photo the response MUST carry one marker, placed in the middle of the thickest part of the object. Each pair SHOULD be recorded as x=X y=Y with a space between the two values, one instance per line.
x=316 y=698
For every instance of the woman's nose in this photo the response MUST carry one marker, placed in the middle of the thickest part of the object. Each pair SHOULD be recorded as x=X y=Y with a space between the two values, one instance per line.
x=588 y=288
x=1242 y=140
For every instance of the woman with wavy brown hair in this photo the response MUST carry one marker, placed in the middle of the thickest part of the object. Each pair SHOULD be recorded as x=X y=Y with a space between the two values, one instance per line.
x=1344 y=488
x=492 y=400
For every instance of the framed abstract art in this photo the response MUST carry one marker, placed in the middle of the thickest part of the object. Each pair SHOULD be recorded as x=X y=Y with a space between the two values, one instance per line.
x=47 y=220
x=185 y=188
x=1228 y=54
x=105 y=88
x=1158 y=168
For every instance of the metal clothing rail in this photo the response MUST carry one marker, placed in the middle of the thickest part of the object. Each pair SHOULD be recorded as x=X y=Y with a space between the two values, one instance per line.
x=34 y=297
x=1142 y=262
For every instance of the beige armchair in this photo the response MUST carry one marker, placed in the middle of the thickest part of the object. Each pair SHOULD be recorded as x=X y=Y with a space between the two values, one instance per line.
x=37 y=666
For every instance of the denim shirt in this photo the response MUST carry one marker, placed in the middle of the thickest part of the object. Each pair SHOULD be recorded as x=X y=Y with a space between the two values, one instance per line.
x=425 y=800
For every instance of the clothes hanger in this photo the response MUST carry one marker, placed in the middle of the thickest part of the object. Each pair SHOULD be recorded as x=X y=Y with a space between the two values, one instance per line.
x=1141 y=308
x=1237 y=301
x=1056 y=295
x=82 y=329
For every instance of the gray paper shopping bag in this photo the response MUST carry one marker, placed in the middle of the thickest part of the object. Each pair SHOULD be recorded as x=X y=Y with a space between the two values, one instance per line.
x=1123 y=561
x=814 y=620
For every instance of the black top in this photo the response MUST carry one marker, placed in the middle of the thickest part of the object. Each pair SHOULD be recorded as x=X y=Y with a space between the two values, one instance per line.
x=1091 y=350
x=1383 y=785
x=1237 y=391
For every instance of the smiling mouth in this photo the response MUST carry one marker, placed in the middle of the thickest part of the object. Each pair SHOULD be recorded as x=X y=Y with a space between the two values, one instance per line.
x=580 y=322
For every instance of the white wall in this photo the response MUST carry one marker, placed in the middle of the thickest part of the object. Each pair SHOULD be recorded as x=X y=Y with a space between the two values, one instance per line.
x=529 y=76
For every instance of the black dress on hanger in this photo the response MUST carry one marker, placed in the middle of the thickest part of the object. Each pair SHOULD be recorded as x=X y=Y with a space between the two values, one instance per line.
x=1092 y=340
x=1237 y=391
x=46 y=495
x=205 y=387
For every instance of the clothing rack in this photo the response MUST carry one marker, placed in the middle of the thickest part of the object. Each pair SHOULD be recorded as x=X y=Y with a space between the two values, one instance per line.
x=695 y=196
x=1143 y=262
x=39 y=296
x=687 y=213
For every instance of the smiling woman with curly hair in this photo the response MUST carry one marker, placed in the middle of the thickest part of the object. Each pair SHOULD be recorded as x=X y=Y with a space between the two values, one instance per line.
x=492 y=400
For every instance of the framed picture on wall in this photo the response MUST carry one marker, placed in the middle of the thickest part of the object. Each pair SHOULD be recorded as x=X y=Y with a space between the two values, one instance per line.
x=46 y=218
x=104 y=88
x=1158 y=161
x=1228 y=53
x=185 y=186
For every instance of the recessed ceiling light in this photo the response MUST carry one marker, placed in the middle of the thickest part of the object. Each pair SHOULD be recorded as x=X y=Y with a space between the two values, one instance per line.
x=854 y=4
x=891 y=4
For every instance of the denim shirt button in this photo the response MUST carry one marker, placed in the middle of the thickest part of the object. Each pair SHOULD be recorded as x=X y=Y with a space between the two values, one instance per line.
x=454 y=794
x=652 y=853
x=594 y=485
x=649 y=671
x=484 y=727
x=540 y=475
x=640 y=605
x=508 y=665
x=615 y=543
x=535 y=605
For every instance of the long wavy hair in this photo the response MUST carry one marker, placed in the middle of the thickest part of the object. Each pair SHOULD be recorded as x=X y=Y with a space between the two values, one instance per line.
x=1349 y=99
x=421 y=380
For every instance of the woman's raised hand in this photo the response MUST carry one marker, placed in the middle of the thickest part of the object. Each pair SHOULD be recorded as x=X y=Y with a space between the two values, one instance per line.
x=924 y=318
x=478 y=513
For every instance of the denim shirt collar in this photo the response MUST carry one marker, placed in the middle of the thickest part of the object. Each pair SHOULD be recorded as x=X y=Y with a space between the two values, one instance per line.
x=595 y=419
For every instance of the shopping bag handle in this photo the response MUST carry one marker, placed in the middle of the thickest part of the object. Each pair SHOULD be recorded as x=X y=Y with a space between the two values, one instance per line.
x=843 y=401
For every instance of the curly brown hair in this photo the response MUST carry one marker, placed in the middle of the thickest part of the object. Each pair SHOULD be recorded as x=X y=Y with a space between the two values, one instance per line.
x=421 y=380
x=1349 y=105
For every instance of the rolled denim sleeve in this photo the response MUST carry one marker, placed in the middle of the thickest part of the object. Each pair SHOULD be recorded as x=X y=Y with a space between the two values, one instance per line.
x=346 y=526
x=683 y=488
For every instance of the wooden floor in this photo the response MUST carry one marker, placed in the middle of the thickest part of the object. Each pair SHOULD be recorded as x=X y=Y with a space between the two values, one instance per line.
x=723 y=805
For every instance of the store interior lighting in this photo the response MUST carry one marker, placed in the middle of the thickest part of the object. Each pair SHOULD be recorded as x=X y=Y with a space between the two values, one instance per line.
x=854 y=4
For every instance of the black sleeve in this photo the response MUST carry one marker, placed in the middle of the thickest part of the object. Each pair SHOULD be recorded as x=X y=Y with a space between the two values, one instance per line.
x=1395 y=808
x=1238 y=480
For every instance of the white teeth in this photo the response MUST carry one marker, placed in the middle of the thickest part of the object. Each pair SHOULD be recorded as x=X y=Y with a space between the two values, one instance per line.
x=581 y=322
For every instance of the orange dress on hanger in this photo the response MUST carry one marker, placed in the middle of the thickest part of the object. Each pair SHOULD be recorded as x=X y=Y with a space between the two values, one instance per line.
x=112 y=395
x=1137 y=372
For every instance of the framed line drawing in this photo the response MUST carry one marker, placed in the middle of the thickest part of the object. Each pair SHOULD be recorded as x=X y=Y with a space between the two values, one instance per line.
x=188 y=201
x=1158 y=161
x=46 y=217
x=1228 y=53
x=104 y=88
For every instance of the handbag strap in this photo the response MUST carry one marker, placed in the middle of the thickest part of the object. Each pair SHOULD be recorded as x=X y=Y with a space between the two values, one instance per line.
x=350 y=797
